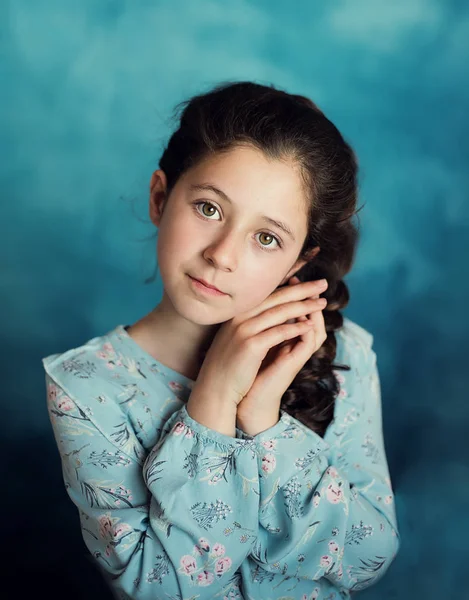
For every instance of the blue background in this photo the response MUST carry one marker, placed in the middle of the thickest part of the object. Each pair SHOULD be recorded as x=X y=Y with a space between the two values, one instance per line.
x=87 y=94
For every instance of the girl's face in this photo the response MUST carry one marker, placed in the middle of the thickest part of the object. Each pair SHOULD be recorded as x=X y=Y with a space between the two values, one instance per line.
x=225 y=237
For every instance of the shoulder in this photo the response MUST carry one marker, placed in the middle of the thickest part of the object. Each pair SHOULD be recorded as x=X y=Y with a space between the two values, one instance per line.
x=85 y=388
x=354 y=333
x=354 y=344
x=359 y=387
x=87 y=374
x=80 y=363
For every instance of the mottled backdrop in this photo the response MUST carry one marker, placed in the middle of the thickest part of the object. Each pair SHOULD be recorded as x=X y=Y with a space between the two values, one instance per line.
x=87 y=93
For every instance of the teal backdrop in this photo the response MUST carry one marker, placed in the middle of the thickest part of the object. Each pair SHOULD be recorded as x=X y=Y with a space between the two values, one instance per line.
x=88 y=89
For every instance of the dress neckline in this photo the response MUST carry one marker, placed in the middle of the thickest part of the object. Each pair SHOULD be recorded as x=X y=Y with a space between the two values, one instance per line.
x=121 y=330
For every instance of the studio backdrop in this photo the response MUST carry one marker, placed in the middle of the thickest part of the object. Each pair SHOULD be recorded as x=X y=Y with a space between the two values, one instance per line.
x=88 y=91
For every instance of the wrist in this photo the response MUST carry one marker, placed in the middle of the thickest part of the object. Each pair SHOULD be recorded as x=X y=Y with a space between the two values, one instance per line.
x=254 y=424
x=211 y=412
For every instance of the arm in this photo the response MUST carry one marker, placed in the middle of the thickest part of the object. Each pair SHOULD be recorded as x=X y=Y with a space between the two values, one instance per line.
x=206 y=408
x=327 y=504
x=167 y=527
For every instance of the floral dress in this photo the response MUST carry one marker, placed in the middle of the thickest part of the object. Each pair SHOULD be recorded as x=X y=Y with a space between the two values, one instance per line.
x=172 y=509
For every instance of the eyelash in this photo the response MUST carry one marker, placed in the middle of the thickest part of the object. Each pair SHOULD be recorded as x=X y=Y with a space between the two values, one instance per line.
x=265 y=248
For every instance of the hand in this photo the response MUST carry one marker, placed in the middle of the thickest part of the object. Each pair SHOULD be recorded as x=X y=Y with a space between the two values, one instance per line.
x=242 y=344
x=260 y=408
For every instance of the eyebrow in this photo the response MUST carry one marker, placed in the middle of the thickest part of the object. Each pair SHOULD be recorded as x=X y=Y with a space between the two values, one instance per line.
x=211 y=188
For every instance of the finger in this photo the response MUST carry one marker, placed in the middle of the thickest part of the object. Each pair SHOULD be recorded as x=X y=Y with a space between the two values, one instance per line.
x=312 y=339
x=315 y=308
x=296 y=291
x=293 y=281
x=273 y=336
x=318 y=329
x=289 y=293
x=278 y=315
x=291 y=312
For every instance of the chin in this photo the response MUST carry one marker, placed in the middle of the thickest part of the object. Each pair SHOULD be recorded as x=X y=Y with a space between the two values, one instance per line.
x=203 y=315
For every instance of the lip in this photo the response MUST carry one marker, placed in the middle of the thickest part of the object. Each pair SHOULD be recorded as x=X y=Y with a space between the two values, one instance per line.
x=207 y=287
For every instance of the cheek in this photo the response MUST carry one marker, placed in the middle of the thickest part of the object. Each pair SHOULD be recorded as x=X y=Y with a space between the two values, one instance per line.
x=254 y=290
x=176 y=243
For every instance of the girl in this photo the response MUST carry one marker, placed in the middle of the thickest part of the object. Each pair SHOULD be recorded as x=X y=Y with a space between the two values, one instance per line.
x=213 y=448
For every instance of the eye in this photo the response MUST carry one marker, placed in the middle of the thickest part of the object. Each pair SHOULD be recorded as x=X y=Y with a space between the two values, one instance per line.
x=206 y=204
x=207 y=218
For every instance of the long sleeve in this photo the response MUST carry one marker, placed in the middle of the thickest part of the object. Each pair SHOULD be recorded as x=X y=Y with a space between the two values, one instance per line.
x=326 y=505
x=177 y=526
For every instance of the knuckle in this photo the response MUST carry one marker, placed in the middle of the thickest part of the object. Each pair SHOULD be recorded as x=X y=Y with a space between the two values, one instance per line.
x=239 y=338
x=251 y=345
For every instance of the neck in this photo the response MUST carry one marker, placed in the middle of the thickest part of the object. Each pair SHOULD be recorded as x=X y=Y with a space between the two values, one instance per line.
x=173 y=341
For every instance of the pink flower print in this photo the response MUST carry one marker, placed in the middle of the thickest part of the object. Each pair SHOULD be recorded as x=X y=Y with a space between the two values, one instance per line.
x=189 y=433
x=218 y=549
x=316 y=499
x=65 y=403
x=388 y=499
x=222 y=565
x=205 y=578
x=333 y=547
x=342 y=393
x=110 y=365
x=178 y=428
x=269 y=444
x=101 y=354
x=105 y=525
x=269 y=463
x=119 y=530
x=204 y=543
x=332 y=471
x=197 y=550
x=175 y=386
x=188 y=564
x=340 y=378
x=334 y=493
x=326 y=561
x=340 y=572
x=51 y=392
x=107 y=347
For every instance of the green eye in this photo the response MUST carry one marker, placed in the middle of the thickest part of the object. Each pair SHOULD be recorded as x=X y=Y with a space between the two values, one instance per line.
x=210 y=206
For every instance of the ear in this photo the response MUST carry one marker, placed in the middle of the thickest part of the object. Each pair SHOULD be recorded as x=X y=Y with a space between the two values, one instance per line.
x=158 y=187
x=300 y=264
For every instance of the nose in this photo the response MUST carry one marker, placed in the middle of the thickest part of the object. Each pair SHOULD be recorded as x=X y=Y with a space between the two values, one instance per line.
x=223 y=252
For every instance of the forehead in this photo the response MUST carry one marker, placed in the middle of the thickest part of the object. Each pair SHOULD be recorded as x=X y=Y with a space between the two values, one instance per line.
x=247 y=165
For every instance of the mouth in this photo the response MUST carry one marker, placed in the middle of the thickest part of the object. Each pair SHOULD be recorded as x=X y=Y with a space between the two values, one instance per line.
x=206 y=287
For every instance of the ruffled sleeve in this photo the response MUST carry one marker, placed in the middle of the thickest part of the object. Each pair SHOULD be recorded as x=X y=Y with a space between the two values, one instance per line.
x=327 y=505
x=176 y=523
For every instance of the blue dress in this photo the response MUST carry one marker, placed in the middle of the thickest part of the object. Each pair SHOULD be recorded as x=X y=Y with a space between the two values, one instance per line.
x=174 y=510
